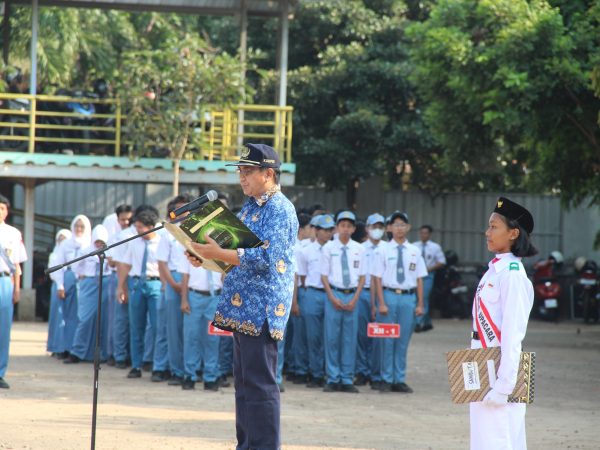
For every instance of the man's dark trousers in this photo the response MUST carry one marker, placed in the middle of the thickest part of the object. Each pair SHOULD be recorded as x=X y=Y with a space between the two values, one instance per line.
x=257 y=405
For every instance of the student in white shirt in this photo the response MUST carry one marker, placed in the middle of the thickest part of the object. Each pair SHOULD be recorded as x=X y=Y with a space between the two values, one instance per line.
x=88 y=272
x=398 y=270
x=434 y=260
x=343 y=279
x=12 y=254
x=55 y=314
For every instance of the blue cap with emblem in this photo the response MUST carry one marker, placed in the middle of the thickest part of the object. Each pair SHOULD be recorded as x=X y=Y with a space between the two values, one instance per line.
x=325 y=222
x=315 y=220
x=347 y=215
x=258 y=155
x=375 y=218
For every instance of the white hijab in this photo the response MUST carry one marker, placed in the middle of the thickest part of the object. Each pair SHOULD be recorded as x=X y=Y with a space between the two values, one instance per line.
x=86 y=238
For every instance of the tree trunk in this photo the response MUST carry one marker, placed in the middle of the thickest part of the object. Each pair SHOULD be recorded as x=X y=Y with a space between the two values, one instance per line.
x=176 y=163
x=352 y=193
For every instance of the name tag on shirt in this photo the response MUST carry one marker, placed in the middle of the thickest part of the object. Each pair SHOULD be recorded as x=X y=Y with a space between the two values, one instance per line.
x=214 y=331
x=383 y=330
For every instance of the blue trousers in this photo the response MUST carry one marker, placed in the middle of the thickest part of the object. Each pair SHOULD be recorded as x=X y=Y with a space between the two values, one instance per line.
x=340 y=342
x=55 y=323
x=425 y=319
x=6 y=318
x=401 y=310
x=299 y=347
x=149 y=337
x=257 y=401
x=225 y=355
x=111 y=310
x=363 y=343
x=198 y=345
x=161 y=351
x=121 y=332
x=174 y=327
x=313 y=309
x=84 y=341
x=142 y=306
x=69 y=307
x=280 y=358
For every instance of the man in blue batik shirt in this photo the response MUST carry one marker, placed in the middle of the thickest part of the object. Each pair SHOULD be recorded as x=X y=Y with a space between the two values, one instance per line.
x=257 y=296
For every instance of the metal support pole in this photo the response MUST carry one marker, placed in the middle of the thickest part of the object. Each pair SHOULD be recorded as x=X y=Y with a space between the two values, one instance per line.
x=284 y=29
x=28 y=225
x=243 y=58
x=34 y=39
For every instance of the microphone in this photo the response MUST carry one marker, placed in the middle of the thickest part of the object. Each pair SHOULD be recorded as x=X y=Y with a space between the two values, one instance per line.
x=194 y=204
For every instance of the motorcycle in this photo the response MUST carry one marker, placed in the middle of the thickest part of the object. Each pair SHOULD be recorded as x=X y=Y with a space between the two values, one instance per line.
x=451 y=290
x=589 y=294
x=546 y=288
x=16 y=124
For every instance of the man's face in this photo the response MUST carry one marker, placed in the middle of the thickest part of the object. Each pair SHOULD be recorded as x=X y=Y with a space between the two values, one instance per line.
x=124 y=219
x=424 y=234
x=400 y=229
x=3 y=212
x=324 y=235
x=345 y=228
x=141 y=228
x=253 y=180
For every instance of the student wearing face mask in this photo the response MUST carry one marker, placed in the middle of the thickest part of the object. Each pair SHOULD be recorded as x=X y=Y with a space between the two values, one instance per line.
x=366 y=302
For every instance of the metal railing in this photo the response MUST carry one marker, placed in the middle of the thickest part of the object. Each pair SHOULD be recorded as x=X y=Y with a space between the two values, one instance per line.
x=49 y=124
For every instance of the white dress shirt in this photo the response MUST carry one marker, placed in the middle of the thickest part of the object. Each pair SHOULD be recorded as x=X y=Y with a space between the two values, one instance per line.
x=386 y=268
x=433 y=253
x=331 y=263
x=135 y=254
x=309 y=264
x=199 y=278
x=171 y=252
x=12 y=242
x=369 y=259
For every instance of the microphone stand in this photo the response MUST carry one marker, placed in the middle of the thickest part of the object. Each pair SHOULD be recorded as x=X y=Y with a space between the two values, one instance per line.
x=100 y=253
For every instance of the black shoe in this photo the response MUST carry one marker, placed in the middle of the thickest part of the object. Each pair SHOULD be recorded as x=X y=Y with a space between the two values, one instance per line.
x=361 y=380
x=385 y=387
x=331 y=387
x=54 y=355
x=147 y=366
x=72 y=359
x=199 y=374
x=62 y=355
x=290 y=377
x=281 y=387
x=188 y=384
x=315 y=383
x=375 y=385
x=121 y=364
x=211 y=386
x=402 y=387
x=134 y=373
x=110 y=361
x=175 y=380
x=222 y=381
x=300 y=379
x=427 y=327
x=418 y=328
x=349 y=388
x=4 y=384
x=159 y=375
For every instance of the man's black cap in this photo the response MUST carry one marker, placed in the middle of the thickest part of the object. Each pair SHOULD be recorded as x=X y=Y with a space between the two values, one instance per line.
x=258 y=155
x=402 y=215
x=514 y=211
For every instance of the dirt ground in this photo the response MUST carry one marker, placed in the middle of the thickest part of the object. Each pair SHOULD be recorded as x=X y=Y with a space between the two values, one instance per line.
x=49 y=405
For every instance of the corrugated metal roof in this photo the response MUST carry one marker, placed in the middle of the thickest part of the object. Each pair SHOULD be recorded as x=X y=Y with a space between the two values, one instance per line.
x=202 y=7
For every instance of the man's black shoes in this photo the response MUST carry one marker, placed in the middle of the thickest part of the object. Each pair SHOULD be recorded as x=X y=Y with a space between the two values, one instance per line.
x=72 y=359
x=315 y=383
x=211 y=386
x=385 y=387
x=331 y=387
x=188 y=384
x=175 y=380
x=402 y=387
x=222 y=380
x=349 y=388
x=361 y=380
x=4 y=384
x=159 y=375
x=134 y=373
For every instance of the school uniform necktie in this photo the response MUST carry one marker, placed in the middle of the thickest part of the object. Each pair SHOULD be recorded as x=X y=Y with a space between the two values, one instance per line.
x=345 y=268
x=144 y=261
x=211 y=284
x=97 y=270
x=400 y=266
x=423 y=250
x=4 y=255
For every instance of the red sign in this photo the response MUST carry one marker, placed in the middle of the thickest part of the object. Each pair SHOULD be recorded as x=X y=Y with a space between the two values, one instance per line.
x=383 y=330
x=214 y=331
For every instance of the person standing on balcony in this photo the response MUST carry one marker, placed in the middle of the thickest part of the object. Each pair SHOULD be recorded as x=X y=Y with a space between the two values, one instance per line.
x=66 y=280
x=434 y=260
x=12 y=254
x=257 y=296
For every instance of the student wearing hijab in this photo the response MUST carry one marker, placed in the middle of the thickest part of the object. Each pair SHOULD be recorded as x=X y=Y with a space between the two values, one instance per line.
x=55 y=316
x=88 y=273
x=66 y=280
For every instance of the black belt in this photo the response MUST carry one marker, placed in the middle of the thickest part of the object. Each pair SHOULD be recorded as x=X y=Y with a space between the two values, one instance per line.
x=136 y=277
x=401 y=291
x=316 y=288
x=198 y=291
x=344 y=291
x=4 y=274
x=475 y=335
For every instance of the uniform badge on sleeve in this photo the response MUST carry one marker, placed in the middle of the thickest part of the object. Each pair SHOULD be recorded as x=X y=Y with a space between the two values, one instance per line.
x=265 y=244
x=513 y=266
x=236 y=300
x=255 y=217
x=281 y=267
x=280 y=310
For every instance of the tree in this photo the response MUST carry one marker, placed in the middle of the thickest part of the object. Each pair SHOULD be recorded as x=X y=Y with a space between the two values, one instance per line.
x=164 y=90
x=507 y=91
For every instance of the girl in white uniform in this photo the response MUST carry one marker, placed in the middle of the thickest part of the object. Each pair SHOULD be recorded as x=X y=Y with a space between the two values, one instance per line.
x=501 y=310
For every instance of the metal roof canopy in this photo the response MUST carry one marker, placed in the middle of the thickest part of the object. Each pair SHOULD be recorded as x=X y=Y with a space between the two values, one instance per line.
x=270 y=8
